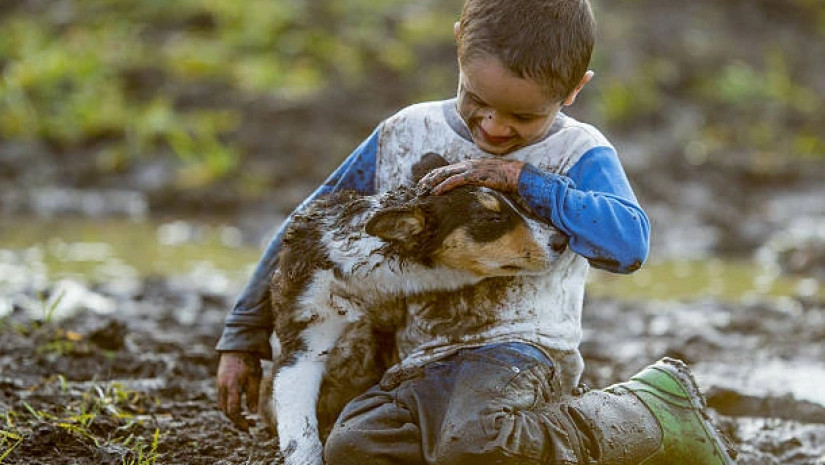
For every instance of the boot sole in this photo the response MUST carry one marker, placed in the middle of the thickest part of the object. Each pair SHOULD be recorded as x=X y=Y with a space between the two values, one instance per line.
x=680 y=372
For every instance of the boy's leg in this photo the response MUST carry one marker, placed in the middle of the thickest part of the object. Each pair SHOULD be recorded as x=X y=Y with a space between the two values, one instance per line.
x=466 y=407
x=656 y=418
x=374 y=428
x=495 y=405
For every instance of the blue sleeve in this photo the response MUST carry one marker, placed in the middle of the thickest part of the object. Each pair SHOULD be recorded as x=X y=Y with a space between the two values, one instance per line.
x=595 y=206
x=249 y=324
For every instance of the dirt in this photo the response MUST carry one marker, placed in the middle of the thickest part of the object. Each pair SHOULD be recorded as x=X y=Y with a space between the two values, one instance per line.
x=136 y=386
x=95 y=389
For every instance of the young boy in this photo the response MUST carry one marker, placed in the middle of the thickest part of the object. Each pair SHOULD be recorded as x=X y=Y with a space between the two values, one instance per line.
x=487 y=376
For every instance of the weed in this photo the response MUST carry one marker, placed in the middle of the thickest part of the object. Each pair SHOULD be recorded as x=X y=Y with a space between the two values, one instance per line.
x=144 y=456
x=8 y=442
x=50 y=306
x=80 y=82
x=101 y=416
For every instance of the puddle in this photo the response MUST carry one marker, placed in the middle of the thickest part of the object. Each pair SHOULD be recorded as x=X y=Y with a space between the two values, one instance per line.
x=115 y=250
x=727 y=280
x=798 y=379
x=108 y=249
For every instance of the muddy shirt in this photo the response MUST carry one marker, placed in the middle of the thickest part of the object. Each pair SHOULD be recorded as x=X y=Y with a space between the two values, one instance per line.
x=573 y=180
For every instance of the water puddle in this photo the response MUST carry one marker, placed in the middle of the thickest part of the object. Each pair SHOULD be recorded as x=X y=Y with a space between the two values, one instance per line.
x=770 y=379
x=118 y=250
x=728 y=280
x=100 y=250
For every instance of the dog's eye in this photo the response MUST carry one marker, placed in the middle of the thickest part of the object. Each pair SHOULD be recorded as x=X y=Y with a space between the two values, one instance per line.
x=496 y=218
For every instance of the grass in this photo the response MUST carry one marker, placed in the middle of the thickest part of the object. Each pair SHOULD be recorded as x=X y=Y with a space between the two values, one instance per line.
x=106 y=414
x=50 y=307
x=8 y=442
x=115 y=77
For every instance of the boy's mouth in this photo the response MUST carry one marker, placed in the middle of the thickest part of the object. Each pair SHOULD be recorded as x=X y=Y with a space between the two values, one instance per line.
x=493 y=140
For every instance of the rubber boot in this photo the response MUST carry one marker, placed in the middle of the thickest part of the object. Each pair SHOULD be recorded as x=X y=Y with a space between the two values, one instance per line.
x=656 y=418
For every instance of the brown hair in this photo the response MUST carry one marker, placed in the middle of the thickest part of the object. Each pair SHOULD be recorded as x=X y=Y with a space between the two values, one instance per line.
x=549 y=41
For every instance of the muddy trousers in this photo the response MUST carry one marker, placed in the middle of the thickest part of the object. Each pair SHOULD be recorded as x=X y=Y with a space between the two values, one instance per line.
x=490 y=405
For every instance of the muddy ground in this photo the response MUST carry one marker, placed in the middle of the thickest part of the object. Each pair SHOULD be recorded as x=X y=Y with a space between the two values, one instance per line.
x=126 y=374
x=137 y=386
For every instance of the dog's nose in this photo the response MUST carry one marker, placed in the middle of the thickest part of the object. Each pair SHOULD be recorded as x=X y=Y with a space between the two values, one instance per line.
x=558 y=242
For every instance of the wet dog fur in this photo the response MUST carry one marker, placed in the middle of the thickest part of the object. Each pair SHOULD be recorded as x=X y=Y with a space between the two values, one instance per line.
x=346 y=264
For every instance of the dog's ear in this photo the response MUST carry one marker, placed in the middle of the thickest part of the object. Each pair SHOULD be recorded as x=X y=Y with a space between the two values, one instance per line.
x=396 y=224
x=428 y=162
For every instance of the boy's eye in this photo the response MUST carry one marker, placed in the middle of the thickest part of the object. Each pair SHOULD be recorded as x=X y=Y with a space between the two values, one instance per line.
x=477 y=100
x=524 y=117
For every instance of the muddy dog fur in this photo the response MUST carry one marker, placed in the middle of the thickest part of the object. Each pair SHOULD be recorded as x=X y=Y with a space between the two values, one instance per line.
x=346 y=265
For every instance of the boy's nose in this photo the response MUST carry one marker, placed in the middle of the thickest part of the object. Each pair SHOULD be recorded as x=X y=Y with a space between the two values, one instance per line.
x=494 y=124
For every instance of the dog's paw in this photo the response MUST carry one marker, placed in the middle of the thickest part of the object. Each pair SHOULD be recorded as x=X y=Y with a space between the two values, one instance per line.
x=304 y=452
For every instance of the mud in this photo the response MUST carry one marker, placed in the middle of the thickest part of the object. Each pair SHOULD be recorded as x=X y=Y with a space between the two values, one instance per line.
x=122 y=371
x=759 y=365
x=95 y=388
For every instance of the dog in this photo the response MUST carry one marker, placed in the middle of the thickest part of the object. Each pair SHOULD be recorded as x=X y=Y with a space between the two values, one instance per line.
x=346 y=264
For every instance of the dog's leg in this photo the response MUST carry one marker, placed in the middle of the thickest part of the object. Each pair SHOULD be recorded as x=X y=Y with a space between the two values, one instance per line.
x=295 y=396
x=296 y=388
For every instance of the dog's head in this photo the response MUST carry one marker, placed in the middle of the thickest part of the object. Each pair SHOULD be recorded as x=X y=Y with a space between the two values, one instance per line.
x=469 y=228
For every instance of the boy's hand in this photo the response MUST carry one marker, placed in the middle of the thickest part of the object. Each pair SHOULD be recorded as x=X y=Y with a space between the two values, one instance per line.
x=501 y=175
x=238 y=373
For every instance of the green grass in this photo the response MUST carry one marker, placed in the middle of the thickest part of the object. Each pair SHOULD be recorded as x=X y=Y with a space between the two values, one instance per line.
x=76 y=78
x=8 y=442
x=105 y=414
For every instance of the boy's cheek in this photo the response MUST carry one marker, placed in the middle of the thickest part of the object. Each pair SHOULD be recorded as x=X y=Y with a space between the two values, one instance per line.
x=466 y=109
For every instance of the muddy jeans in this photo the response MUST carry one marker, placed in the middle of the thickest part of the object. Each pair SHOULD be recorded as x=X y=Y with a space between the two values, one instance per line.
x=489 y=405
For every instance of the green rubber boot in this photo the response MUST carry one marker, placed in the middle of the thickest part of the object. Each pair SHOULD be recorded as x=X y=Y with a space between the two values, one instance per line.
x=656 y=418
x=671 y=395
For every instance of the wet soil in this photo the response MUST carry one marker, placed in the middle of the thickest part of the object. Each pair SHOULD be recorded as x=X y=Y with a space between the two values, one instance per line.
x=95 y=389
x=137 y=386
x=133 y=382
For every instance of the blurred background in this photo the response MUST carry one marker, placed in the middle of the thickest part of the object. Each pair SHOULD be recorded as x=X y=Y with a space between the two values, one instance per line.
x=149 y=149
x=160 y=137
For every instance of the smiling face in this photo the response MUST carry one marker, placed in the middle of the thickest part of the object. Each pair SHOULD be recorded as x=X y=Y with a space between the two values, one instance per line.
x=503 y=111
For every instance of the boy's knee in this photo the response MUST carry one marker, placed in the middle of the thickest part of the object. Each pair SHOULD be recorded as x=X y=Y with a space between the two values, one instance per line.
x=345 y=446
x=501 y=437
x=462 y=452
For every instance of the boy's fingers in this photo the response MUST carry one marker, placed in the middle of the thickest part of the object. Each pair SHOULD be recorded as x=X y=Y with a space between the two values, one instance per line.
x=233 y=409
x=451 y=183
x=439 y=175
x=234 y=413
x=222 y=398
x=431 y=179
x=252 y=386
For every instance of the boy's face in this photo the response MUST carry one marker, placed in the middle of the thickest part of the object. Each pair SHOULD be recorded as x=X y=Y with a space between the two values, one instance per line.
x=503 y=111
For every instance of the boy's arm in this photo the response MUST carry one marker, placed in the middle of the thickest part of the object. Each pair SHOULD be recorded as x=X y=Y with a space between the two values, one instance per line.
x=595 y=206
x=249 y=324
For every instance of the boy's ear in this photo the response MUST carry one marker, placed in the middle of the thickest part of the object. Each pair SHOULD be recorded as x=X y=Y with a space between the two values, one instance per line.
x=585 y=79
x=456 y=29
x=399 y=224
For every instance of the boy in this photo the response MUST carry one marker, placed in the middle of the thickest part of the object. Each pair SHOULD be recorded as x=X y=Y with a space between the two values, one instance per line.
x=486 y=375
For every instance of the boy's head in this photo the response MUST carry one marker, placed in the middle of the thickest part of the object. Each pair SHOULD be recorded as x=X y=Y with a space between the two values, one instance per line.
x=539 y=51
